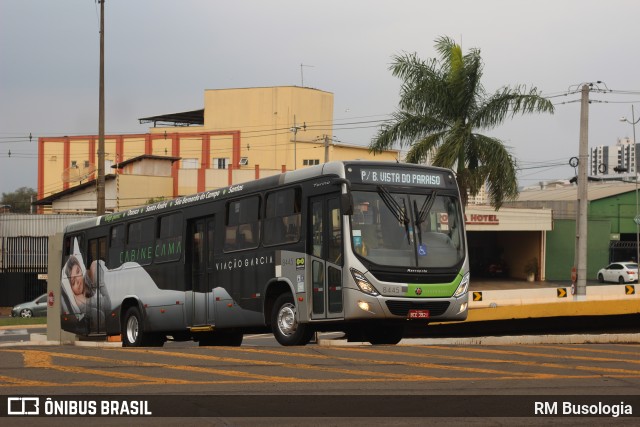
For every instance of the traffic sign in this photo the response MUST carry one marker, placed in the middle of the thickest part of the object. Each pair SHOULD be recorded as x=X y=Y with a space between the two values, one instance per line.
x=477 y=296
x=562 y=292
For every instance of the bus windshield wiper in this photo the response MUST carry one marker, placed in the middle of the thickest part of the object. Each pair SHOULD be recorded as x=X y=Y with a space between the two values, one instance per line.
x=426 y=207
x=418 y=222
x=395 y=208
x=424 y=211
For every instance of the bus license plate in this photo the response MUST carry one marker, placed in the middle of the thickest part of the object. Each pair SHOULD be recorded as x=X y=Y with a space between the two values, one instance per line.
x=418 y=314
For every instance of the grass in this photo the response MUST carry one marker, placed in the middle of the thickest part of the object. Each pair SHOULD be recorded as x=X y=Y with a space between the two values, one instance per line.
x=12 y=321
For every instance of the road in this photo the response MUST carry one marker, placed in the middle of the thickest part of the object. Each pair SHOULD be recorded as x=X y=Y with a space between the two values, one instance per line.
x=312 y=370
x=262 y=379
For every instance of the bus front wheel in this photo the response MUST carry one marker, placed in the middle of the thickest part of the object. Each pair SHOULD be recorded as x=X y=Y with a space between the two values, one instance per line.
x=284 y=323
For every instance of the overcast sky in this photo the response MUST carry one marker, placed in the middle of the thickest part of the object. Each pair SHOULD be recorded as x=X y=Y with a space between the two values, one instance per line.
x=161 y=55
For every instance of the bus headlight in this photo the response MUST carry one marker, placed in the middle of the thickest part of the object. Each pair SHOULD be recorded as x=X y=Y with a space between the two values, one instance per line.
x=463 y=287
x=363 y=284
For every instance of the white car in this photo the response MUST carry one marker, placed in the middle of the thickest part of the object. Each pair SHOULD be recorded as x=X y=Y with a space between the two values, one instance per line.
x=621 y=272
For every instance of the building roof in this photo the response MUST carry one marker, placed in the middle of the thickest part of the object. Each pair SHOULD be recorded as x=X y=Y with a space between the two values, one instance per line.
x=145 y=157
x=186 y=118
x=49 y=199
x=595 y=191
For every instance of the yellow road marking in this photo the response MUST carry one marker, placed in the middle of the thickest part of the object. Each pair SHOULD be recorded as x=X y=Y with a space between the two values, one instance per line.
x=41 y=359
x=552 y=356
x=476 y=359
x=384 y=362
x=38 y=359
x=590 y=350
x=12 y=381
x=302 y=366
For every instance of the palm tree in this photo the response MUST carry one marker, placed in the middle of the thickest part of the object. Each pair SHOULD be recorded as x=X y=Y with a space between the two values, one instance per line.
x=443 y=105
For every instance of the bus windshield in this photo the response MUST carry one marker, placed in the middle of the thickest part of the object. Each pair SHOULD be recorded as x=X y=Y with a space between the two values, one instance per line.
x=407 y=230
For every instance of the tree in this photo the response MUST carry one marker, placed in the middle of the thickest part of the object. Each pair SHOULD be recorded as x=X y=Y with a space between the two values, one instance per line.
x=442 y=107
x=20 y=200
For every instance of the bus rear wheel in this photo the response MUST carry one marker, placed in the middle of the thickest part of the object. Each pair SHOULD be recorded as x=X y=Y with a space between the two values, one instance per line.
x=284 y=323
x=132 y=333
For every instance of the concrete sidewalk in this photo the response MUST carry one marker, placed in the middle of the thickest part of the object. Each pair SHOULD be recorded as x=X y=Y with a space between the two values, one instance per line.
x=486 y=284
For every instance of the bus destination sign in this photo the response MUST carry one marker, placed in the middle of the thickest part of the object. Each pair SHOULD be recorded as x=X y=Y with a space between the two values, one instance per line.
x=397 y=176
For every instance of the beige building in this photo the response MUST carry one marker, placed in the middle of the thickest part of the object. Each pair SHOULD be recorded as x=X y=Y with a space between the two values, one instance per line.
x=240 y=135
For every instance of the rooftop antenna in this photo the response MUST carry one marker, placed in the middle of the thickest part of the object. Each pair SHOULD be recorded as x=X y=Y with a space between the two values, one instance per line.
x=302 y=73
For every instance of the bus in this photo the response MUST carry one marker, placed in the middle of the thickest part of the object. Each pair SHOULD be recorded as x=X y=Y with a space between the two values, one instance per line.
x=371 y=249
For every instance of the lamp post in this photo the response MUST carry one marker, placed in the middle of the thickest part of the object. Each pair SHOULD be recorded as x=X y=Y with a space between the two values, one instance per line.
x=633 y=123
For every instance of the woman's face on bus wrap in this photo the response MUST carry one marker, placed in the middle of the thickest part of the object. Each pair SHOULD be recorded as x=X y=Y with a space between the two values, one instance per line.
x=76 y=280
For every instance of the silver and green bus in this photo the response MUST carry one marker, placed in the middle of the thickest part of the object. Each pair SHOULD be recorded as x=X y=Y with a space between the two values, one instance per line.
x=373 y=249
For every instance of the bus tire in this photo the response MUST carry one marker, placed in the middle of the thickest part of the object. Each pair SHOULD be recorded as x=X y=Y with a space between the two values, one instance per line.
x=284 y=323
x=385 y=334
x=132 y=328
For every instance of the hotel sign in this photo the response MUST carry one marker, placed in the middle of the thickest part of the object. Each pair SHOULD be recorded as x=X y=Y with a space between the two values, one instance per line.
x=481 y=219
x=473 y=219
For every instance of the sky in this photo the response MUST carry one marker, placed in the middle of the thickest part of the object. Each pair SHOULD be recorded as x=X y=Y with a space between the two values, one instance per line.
x=161 y=55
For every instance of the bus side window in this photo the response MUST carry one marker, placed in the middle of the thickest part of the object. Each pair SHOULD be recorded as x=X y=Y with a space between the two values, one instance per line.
x=317 y=229
x=335 y=226
x=243 y=224
x=282 y=217
x=140 y=239
x=168 y=246
x=69 y=242
x=116 y=246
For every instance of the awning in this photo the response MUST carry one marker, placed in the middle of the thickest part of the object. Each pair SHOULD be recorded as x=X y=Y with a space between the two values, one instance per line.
x=187 y=118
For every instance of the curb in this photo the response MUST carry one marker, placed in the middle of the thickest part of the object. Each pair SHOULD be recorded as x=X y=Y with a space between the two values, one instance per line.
x=570 y=308
x=505 y=340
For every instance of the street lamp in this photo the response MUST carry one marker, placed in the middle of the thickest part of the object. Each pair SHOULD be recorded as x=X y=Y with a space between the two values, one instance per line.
x=633 y=122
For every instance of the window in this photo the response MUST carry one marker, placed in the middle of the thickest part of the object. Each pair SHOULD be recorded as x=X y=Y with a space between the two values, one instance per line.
x=140 y=239
x=189 y=163
x=282 y=217
x=69 y=243
x=97 y=250
x=219 y=162
x=335 y=228
x=310 y=162
x=168 y=245
x=243 y=224
x=116 y=246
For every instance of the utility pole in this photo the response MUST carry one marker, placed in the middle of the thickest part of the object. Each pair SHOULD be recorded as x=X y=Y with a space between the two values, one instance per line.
x=100 y=205
x=581 y=226
x=326 y=148
x=295 y=148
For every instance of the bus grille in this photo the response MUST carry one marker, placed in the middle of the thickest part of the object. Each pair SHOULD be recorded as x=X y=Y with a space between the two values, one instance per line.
x=414 y=278
x=401 y=308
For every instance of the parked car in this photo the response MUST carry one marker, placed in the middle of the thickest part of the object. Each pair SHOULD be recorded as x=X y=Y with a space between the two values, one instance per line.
x=621 y=272
x=37 y=307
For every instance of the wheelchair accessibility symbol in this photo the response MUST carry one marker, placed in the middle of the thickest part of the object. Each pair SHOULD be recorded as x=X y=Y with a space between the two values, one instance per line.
x=422 y=250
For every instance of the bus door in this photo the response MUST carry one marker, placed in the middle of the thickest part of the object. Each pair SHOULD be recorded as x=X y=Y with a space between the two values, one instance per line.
x=98 y=305
x=200 y=267
x=326 y=257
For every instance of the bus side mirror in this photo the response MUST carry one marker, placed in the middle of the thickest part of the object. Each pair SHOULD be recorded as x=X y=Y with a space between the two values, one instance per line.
x=346 y=203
